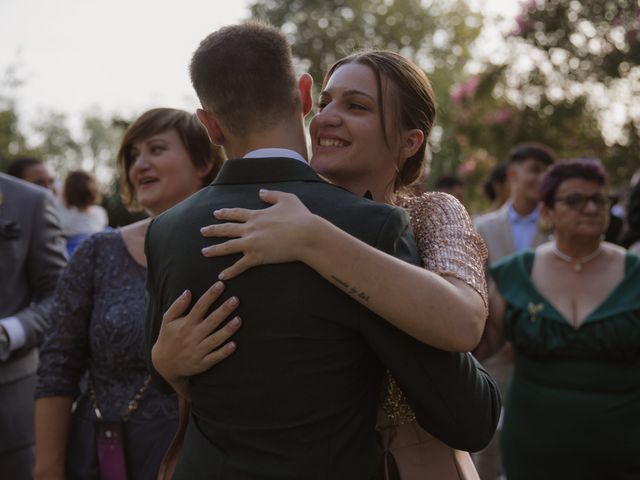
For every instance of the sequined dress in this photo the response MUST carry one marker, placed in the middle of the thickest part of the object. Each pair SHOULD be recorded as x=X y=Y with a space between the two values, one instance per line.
x=449 y=246
x=97 y=326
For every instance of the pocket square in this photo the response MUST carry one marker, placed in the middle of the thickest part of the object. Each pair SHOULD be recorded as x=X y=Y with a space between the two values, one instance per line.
x=9 y=230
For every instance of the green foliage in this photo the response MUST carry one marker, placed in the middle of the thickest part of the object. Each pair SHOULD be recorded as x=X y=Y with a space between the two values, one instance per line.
x=601 y=37
x=583 y=58
x=437 y=35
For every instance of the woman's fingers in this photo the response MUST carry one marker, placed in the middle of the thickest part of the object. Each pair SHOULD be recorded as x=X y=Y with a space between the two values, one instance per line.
x=201 y=307
x=225 y=248
x=233 y=214
x=223 y=230
x=219 y=337
x=242 y=265
x=218 y=355
x=274 y=196
x=219 y=315
x=178 y=307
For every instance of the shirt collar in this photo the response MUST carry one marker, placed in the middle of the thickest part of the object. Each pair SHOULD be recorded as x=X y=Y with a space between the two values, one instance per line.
x=515 y=217
x=275 y=152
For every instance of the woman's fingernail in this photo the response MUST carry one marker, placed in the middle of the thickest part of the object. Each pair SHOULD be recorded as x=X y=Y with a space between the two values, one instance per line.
x=222 y=276
x=263 y=190
x=235 y=322
x=184 y=294
x=218 y=285
x=204 y=251
x=233 y=301
x=230 y=346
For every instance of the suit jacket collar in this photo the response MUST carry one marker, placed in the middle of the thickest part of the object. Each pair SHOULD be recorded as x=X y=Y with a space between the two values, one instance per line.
x=265 y=170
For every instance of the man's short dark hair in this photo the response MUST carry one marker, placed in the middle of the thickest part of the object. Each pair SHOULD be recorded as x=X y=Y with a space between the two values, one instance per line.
x=244 y=75
x=19 y=166
x=531 y=150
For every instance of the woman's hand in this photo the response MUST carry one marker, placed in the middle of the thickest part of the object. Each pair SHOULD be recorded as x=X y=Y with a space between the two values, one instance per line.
x=276 y=234
x=189 y=344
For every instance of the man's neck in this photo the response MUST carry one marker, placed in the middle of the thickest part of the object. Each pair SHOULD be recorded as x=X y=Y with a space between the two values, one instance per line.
x=289 y=136
x=523 y=207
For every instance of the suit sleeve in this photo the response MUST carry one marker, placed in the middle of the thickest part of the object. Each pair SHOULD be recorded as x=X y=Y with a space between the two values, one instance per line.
x=452 y=396
x=153 y=313
x=46 y=260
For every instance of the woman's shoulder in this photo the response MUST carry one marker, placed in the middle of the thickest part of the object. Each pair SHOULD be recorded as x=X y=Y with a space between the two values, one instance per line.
x=437 y=206
x=98 y=244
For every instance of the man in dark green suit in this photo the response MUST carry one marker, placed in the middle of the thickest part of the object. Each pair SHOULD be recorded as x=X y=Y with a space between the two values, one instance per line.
x=298 y=399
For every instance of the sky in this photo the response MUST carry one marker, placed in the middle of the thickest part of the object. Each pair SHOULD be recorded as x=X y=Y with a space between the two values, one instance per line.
x=119 y=56
x=116 y=56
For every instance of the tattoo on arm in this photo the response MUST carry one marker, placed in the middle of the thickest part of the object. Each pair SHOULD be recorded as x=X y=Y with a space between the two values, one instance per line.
x=354 y=292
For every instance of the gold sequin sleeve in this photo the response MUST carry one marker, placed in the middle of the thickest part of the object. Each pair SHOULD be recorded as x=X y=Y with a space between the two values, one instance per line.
x=447 y=240
x=449 y=245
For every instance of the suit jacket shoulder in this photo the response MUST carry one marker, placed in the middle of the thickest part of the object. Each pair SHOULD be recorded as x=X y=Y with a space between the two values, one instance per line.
x=31 y=265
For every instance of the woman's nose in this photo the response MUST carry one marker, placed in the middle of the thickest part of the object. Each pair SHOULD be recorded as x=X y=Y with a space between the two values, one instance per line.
x=140 y=161
x=329 y=116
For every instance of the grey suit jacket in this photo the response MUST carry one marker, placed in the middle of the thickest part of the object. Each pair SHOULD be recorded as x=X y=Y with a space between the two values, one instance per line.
x=495 y=229
x=29 y=267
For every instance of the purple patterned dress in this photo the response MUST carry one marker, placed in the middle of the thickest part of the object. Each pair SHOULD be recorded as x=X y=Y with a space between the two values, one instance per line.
x=97 y=326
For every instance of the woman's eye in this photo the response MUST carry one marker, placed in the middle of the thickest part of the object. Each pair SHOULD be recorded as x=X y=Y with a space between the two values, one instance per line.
x=357 y=106
x=321 y=105
x=156 y=149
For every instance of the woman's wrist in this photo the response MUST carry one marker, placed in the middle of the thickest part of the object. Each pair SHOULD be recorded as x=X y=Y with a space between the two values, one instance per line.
x=313 y=235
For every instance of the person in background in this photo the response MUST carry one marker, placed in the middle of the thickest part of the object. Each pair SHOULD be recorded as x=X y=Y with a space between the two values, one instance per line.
x=93 y=353
x=451 y=184
x=33 y=171
x=365 y=141
x=631 y=239
x=514 y=227
x=571 y=309
x=496 y=186
x=80 y=215
x=32 y=257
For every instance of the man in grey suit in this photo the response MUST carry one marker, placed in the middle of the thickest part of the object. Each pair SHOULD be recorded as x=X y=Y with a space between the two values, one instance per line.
x=32 y=256
x=512 y=228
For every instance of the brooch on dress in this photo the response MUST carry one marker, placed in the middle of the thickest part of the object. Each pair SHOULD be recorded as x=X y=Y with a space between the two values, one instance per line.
x=534 y=310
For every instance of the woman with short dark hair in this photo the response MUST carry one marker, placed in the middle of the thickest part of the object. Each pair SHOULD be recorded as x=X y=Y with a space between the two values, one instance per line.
x=93 y=353
x=571 y=309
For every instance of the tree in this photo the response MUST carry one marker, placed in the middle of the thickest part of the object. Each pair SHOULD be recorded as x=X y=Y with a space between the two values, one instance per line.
x=557 y=84
x=12 y=140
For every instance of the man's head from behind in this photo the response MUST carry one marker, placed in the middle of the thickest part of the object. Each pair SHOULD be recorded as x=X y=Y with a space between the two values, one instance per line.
x=526 y=164
x=244 y=77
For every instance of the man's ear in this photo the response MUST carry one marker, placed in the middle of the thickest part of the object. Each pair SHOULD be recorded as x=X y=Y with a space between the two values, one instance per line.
x=412 y=140
x=211 y=125
x=305 y=84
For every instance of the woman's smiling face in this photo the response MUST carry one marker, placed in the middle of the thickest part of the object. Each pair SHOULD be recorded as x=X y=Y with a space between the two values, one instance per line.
x=348 y=142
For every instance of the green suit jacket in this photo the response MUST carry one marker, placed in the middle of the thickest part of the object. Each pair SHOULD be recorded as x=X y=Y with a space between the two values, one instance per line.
x=298 y=399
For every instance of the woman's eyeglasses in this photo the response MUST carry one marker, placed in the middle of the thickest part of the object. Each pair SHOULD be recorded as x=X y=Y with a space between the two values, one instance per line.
x=577 y=201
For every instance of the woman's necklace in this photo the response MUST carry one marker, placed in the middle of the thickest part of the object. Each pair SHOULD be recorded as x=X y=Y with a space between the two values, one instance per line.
x=576 y=263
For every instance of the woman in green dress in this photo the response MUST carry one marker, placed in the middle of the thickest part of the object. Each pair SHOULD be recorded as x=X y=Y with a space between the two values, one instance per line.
x=571 y=309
